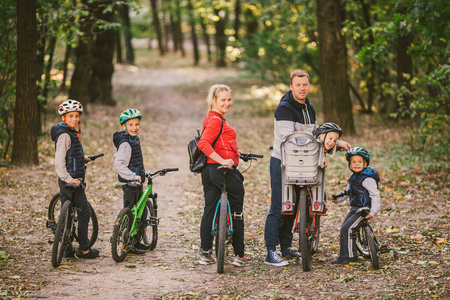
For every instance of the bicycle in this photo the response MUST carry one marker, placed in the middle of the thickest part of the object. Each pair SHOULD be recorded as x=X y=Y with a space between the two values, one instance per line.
x=303 y=180
x=65 y=229
x=222 y=226
x=129 y=228
x=366 y=241
x=54 y=211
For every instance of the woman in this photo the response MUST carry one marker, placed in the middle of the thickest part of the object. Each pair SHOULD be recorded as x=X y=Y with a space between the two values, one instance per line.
x=222 y=152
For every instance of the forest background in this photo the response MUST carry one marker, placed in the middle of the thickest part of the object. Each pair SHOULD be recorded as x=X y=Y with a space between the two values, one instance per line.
x=378 y=68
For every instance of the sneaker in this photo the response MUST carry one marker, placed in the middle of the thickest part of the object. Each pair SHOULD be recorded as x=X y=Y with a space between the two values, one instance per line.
x=142 y=246
x=93 y=253
x=136 y=251
x=273 y=259
x=239 y=261
x=337 y=261
x=69 y=252
x=206 y=260
x=290 y=253
x=348 y=260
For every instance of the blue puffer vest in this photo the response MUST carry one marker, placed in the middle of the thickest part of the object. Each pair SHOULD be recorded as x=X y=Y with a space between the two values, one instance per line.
x=75 y=155
x=359 y=196
x=136 y=164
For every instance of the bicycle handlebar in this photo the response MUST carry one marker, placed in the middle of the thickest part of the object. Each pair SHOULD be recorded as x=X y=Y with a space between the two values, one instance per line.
x=247 y=156
x=94 y=157
x=161 y=172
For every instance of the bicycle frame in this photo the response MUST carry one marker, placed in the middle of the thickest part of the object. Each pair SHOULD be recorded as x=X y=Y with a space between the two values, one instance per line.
x=229 y=218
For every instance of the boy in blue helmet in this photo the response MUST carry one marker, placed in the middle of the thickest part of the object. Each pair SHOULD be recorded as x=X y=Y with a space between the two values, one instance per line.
x=129 y=162
x=69 y=165
x=363 y=191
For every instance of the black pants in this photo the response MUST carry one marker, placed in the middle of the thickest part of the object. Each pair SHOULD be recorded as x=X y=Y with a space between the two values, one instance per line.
x=79 y=200
x=212 y=180
x=129 y=199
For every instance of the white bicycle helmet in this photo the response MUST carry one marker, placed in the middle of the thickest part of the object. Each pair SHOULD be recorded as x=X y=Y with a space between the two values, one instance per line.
x=69 y=106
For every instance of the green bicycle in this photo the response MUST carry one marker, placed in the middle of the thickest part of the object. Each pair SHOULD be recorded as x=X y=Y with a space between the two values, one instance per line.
x=129 y=228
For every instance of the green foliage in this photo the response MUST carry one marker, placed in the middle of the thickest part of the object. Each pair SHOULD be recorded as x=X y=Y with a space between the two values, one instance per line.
x=286 y=39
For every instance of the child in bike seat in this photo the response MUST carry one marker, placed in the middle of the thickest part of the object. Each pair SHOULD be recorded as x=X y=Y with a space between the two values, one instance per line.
x=363 y=192
x=328 y=134
x=69 y=165
x=128 y=161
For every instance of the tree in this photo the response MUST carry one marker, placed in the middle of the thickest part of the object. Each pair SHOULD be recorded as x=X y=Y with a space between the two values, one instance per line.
x=221 y=38
x=126 y=23
x=157 y=26
x=333 y=65
x=25 y=150
x=193 y=32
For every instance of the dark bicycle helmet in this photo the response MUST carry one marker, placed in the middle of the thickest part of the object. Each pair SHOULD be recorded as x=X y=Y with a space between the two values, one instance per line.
x=358 y=151
x=328 y=127
x=128 y=114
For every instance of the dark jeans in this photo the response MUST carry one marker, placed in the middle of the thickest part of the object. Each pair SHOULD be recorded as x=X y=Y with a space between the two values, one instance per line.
x=129 y=199
x=278 y=228
x=212 y=180
x=350 y=224
x=79 y=200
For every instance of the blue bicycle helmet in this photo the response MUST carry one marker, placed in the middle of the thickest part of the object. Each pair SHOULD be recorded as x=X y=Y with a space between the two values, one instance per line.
x=128 y=114
x=358 y=151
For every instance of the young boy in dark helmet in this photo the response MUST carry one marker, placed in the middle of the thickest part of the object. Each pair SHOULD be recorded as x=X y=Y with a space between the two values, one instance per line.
x=329 y=134
x=129 y=162
x=69 y=165
x=363 y=192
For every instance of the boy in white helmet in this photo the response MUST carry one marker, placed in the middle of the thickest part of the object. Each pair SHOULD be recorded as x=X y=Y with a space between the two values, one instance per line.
x=69 y=165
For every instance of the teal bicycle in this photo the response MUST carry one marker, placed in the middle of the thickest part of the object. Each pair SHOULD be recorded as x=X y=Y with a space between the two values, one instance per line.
x=130 y=228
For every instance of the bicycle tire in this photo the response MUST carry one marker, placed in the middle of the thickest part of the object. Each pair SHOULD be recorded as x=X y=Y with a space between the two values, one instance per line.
x=54 y=212
x=121 y=235
x=304 y=230
x=373 y=249
x=148 y=234
x=316 y=234
x=222 y=232
x=361 y=242
x=63 y=233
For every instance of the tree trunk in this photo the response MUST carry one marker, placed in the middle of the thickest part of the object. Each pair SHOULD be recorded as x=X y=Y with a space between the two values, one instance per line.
x=404 y=66
x=67 y=56
x=333 y=63
x=157 y=26
x=119 y=57
x=372 y=73
x=206 y=38
x=48 y=67
x=25 y=150
x=129 y=51
x=103 y=54
x=82 y=75
x=237 y=21
x=194 y=34
x=179 y=30
x=221 y=38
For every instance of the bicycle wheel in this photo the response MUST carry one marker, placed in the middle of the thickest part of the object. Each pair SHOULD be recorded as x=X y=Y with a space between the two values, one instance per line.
x=63 y=233
x=361 y=242
x=304 y=230
x=373 y=248
x=148 y=233
x=54 y=210
x=120 y=240
x=222 y=238
x=315 y=234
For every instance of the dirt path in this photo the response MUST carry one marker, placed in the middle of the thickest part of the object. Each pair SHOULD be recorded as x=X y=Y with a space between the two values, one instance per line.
x=170 y=268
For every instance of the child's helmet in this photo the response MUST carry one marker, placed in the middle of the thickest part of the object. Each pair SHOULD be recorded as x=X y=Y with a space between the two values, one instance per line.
x=69 y=106
x=128 y=114
x=358 y=151
x=328 y=127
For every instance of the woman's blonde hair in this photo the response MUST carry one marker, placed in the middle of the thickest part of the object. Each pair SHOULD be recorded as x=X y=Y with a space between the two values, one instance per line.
x=214 y=90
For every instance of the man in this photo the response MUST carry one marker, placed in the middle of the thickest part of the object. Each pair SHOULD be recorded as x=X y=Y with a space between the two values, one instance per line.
x=293 y=114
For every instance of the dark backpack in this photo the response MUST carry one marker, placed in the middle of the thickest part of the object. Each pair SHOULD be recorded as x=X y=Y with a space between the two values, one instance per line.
x=197 y=159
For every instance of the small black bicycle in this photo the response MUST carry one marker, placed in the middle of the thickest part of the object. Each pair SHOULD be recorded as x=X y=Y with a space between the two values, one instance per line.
x=366 y=241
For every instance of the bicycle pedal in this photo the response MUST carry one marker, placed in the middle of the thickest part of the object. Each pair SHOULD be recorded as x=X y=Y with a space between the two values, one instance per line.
x=50 y=224
x=384 y=249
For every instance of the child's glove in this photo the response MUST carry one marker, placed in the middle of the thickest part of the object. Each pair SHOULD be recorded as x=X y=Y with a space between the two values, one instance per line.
x=341 y=196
